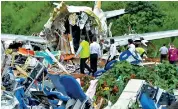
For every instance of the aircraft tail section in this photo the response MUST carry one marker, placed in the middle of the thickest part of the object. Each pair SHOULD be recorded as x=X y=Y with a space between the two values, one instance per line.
x=97 y=4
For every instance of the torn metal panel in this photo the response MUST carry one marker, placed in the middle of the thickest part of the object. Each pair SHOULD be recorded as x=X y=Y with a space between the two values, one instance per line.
x=45 y=58
x=9 y=101
x=100 y=14
x=97 y=4
x=110 y=14
x=8 y=80
x=71 y=43
x=109 y=29
x=74 y=9
x=83 y=19
x=123 y=40
x=91 y=13
x=54 y=59
x=2 y=54
x=24 y=51
x=73 y=19
x=6 y=37
x=35 y=73
x=60 y=11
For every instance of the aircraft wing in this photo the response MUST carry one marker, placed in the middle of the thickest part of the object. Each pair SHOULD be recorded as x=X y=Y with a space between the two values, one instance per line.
x=123 y=40
x=114 y=13
x=73 y=9
x=6 y=37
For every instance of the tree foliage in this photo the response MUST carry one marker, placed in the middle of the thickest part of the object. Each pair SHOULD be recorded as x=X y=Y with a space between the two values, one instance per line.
x=144 y=16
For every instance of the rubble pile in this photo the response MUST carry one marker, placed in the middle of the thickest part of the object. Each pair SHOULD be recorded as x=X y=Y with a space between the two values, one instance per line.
x=33 y=79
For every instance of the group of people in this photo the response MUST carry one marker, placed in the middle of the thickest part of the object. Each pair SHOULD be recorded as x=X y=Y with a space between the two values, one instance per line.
x=171 y=54
x=94 y=52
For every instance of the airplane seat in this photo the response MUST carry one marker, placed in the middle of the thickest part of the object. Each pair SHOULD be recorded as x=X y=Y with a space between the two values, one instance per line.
x=32 y=102
x=124 y=55
x=110 y=64
x=128 y=56
x=99 y=72
x=146 y=102
x=54 y=97
x=55 y=79
x=72 y=89
x=54 y=94
x=20 y=94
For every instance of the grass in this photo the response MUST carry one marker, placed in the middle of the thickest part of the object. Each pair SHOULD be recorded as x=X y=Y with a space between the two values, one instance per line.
x=24 y=17
x=159 y=43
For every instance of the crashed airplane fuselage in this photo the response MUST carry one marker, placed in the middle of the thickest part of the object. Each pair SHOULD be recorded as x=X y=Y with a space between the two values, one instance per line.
x=67 y=23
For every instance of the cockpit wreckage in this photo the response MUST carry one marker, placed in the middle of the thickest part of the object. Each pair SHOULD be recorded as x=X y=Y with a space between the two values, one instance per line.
x=68 y=23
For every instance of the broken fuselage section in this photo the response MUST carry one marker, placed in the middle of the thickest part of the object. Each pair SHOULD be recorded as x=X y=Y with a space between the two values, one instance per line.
x=67 y=23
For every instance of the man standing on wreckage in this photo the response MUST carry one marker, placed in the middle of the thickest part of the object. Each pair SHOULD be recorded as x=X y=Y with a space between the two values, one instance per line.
x=131 y=54
x=84 y=51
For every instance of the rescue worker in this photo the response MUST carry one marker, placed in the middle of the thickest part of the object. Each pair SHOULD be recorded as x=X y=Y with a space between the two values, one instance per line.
x=140 y=50
x=164 y=52
x=95 y=53
x=84 y=50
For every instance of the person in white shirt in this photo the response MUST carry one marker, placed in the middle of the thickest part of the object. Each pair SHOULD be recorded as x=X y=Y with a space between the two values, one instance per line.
x=132 y=49
x=112 y=51
x=95 y=53
x=164 y=52
x=131 y=46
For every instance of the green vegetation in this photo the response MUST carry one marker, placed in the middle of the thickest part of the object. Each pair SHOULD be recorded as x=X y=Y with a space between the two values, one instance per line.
x=112 y=83
x=159 y=43
x=24 y=17
x=19 y=17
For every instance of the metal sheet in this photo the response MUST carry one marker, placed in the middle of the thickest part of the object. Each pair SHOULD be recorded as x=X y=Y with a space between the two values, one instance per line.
x=123 y=40
x=114 y=13
x=6 y=37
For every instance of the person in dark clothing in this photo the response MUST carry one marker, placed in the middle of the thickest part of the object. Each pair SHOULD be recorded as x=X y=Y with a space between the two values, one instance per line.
x=95 y=53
